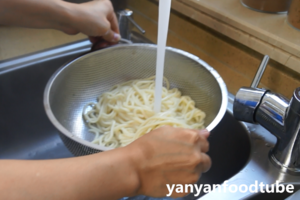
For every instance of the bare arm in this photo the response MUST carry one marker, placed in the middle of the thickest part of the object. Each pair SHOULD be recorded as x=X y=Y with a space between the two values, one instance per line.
x=164 y=156
x=95 y=18
x=107 y=175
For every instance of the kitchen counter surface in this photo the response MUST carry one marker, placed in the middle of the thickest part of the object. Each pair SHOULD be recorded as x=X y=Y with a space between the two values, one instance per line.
x=16 y=42
x=265 y=33
x=218 y=45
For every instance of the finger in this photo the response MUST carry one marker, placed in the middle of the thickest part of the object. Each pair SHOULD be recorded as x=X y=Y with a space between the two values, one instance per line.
x=111 y=36
x=114 y=23
x=205 y=164
x=193 y=137
x=179 y=195
x=94 y=39
x=100 y=45
x=204 y=132
x=203 y=144
x=71 y=31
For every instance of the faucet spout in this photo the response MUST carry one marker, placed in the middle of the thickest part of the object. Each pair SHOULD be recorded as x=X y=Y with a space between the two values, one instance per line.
x=275 y=113
x=271 y=113
x=279 y=116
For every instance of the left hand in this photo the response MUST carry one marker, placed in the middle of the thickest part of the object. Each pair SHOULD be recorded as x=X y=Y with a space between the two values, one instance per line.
x=96 y=19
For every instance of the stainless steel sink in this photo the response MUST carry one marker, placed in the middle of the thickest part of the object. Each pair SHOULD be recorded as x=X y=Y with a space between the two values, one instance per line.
x=239 y=151
x=25 y=131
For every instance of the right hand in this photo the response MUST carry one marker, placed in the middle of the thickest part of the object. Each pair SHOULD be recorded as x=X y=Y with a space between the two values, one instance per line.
x=169 y=155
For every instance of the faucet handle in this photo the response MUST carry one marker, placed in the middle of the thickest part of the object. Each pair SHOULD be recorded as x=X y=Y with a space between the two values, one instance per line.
x=248 y=99
x=136 y=25
x=125 y=22
x=260 y=71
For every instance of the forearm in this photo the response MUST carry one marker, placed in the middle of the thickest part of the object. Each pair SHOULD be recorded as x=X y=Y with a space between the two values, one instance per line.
x=107 y=175
x=94 y=18
x=54 y=14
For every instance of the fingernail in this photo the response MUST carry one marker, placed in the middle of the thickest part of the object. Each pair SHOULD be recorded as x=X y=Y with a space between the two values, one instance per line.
x=117 y=37
x=204 y=132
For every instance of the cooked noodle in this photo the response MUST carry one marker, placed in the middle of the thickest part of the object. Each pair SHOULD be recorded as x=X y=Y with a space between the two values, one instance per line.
x=125 y=113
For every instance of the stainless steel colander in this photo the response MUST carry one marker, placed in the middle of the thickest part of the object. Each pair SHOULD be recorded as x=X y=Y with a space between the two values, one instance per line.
x=84 y=79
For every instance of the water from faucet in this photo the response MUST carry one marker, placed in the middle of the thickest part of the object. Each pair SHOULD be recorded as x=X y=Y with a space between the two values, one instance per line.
x=163 y=25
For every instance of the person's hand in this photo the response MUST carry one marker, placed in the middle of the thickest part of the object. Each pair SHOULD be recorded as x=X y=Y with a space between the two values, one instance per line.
x=97 y=20
x=169 y=155
x=164 y=156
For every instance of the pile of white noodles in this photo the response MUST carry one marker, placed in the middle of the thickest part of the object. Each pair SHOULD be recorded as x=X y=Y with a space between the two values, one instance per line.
x=125 y=113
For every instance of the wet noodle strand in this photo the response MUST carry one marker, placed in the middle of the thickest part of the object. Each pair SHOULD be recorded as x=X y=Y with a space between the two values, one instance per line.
x=125 y=112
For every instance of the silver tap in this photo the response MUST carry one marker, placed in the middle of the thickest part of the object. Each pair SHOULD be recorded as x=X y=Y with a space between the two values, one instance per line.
x=278 y=115
x=126 y=22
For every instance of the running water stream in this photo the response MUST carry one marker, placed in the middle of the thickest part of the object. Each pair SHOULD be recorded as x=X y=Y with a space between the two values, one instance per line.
x=163 y=25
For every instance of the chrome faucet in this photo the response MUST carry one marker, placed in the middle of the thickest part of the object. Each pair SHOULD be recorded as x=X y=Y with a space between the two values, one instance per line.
x=278 y=115
x=126 y=22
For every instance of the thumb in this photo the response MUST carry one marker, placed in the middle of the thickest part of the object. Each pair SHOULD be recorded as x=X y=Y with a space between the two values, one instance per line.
x=111 y=36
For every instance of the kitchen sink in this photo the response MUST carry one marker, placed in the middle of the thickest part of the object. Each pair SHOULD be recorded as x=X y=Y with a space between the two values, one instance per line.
x=239 y=151
x=25 y=131
x=229 y=151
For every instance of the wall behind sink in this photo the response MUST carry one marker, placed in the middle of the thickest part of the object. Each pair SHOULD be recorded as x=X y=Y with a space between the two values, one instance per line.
x=236 y=63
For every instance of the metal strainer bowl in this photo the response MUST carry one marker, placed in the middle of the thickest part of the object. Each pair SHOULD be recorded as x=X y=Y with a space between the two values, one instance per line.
x=84 y=79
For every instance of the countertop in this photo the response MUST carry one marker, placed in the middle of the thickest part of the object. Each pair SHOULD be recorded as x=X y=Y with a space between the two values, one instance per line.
x=16 y=41
x=220 y=46
x=265 y=33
